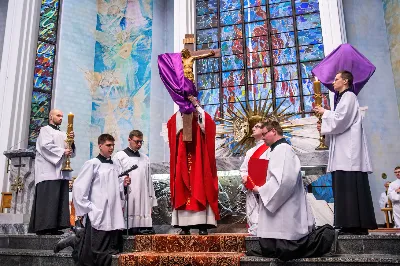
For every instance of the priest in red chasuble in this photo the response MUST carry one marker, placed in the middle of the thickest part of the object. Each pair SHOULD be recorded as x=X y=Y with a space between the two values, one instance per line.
x=191 y=135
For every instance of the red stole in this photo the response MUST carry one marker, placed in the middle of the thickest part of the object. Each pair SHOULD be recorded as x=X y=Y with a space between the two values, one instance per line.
x=193 y=171
x=257 y=168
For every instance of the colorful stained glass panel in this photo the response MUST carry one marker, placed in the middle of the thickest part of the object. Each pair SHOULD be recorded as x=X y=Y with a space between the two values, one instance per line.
x=308 y=21
x=207 y=65
x=258 y=28
x=287 y=88
x=40 y=106
x=311 y=52
x=290 y=105
x=283 y=40
x=260 y=91
x=231 y=17
x=207 y=21
x=307 y=67
x=233 y=78
x=205 y=46
x=205 y=7
x=281 y=25
x=280 y=10
x=323 y=181
x=212 y=110
x=284 y=56
x=34 y=127
x=210 y=35
x=259 y=75
x=234 y=94
x=255 y=14
x=235 y=108
x=229 y=4
x=285 y=72
x=209 y=96
x=306 y=6
x=277 y=1
x=49 y=10
x=309 y=102
x=258 y=59
x=251 y=3
x=208 y=81
x=257 y=44
x=311 y=36
x=45 y=48
x=231 y=32
x=323 y=193
x=232 y=47
x=232 y=62
x=43 y=71
x=308 y=87
x=42 y=83
x=44 y=60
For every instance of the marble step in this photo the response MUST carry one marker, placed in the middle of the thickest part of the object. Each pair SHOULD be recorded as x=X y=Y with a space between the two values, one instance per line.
x=349 y=244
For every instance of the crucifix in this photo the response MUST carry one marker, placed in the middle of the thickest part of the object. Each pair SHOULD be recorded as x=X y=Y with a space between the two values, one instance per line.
x=189 y=55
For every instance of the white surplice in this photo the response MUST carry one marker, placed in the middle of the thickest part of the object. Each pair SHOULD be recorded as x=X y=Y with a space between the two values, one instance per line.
x=50 y=147
x=141 y=193
x=343 y=128
x=395 y=198
x=284 y=211
x=251 y=200
x=98 y=192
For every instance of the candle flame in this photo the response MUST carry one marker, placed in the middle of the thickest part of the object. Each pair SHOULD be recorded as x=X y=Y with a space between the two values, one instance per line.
x=316 y=78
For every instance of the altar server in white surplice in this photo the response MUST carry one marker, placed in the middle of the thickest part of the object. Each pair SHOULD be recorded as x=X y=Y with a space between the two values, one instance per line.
x=349 y=160
x=141 y=197
x=97 y=195
x=394 y=196
x=286 y=223
x=259 y=152
x=50 y=209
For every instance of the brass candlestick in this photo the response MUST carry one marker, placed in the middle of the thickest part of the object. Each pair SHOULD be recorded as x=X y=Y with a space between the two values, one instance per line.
x=69 y=141
x=318 y=102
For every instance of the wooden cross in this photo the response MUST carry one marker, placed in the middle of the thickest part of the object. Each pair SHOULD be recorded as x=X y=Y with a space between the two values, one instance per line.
x=188 y=43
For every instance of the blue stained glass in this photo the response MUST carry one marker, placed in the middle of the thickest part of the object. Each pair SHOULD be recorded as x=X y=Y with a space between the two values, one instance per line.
x=229 y=4
x=259 y=75
x=323 y=193
x=255 y=14
x=232 y=47
x=307 y=67
x=234 y=107
x=210 y=35
x=204 y=7
x=209 y=96
x=309 y=102
x=206 y=46
x=285 y=72
x=257 y=44
x=306 y=6
x=49 y=10
x=208 y=81
x=258 y=59
x=34 y=127
x=284 y=56
x=212 y=110
x=283 y=40
x=51 y=2
x=232 y=62
x=232 y=78
x=308 y=87
x=231 y=32
x=280 y=10
x=207 y=21
x=308 y=21
x=281 y=25
x=311 y=36
x=251 y=3
x=287 y=88
x=42 y=82
x=231 y=17
x=290 y=105
x=207 y=65
x=256 y=29
x=260 y=90
x=323 y=181
x=311 y=52
x=277 y=1
x=234 y=94
x=45 y=48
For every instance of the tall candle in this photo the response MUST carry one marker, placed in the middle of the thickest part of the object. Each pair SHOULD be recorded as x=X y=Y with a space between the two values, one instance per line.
x=70 y=122
x=317 y=92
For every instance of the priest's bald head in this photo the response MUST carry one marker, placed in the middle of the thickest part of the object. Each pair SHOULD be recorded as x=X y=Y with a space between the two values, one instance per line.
x=272 y=132
x=55 y=117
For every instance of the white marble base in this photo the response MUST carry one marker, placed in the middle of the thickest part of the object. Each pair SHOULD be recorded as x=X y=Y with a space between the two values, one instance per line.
x=11 y=218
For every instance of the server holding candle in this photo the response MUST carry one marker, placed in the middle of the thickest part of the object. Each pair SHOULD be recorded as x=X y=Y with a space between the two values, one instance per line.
x=349 y=160
x=50 y=209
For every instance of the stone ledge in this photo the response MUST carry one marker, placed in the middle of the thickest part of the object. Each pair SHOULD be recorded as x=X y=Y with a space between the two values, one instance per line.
x=20 y=153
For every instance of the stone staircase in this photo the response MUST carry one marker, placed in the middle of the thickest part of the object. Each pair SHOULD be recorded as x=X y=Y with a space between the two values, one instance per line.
x=32 y=250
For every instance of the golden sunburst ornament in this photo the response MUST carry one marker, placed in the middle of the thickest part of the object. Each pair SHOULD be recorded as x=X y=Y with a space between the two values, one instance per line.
x=239 y=123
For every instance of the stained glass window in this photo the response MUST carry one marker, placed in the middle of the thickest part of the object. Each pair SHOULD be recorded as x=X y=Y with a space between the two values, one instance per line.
x=267 y=46
x=44 y=67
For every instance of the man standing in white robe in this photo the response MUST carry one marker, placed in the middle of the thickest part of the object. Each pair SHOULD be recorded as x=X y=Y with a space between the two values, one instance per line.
x=50 y=209
x=285 y=217
x=252 y=199
x=394 y=196
x=349 y=160
x=97 y=195
x=141 y=193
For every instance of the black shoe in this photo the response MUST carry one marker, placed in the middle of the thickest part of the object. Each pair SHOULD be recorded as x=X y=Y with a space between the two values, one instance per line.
x=184 y=232
x=68 y=241
x=203 y=232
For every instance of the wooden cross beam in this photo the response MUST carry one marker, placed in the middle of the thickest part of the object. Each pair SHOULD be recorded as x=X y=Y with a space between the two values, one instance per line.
x=189 y=44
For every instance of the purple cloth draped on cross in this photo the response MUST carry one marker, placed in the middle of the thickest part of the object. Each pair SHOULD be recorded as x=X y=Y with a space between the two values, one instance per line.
x=345 y=57
x=171 y=72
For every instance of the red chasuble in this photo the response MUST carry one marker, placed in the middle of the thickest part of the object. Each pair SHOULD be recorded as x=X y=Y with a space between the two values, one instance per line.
x=257 y=168
x=193 y=170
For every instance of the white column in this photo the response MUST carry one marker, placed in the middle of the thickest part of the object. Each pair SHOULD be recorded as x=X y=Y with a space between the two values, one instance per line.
x=333 y=28
x=16 y=78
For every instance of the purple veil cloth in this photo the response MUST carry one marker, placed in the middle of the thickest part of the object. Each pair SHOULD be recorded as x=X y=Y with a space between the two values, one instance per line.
x=345 y=57
x=171 y=72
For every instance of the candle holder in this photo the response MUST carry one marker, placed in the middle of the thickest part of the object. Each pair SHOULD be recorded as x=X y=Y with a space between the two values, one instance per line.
x=67 y=163
x=318 y=102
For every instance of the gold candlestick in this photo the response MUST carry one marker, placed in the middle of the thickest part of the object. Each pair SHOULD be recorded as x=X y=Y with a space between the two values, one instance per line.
x=69 y=141
x=318 y=102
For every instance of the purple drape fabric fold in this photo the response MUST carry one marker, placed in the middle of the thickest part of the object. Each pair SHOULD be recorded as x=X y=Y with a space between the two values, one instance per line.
x=171 y=72
x=345 y=57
